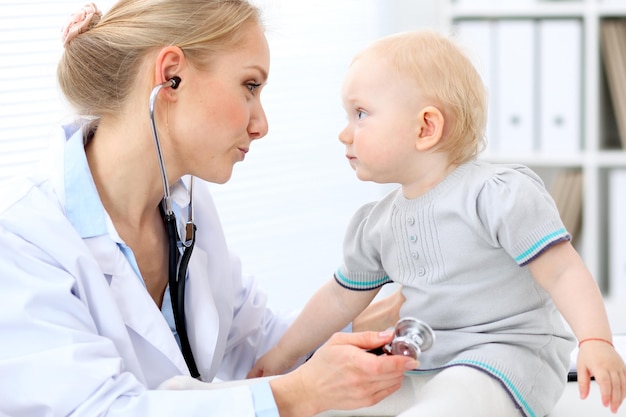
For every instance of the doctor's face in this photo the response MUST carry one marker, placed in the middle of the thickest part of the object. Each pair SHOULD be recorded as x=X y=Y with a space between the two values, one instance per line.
x=222 y=113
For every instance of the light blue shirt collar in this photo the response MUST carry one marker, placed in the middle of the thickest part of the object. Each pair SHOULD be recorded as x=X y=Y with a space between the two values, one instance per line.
x=84 y=208
x=82 y=202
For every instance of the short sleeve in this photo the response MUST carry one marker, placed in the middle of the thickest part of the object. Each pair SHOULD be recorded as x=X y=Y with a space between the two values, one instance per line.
x=519 y=213
x=362 y=269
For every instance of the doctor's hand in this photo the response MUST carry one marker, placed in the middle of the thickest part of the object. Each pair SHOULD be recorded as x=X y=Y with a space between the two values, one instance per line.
x=600 y=360
x=341 y=375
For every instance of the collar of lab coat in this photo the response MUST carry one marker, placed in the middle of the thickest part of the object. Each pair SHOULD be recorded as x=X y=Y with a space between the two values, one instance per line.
x=85 y=211
x=83 y=206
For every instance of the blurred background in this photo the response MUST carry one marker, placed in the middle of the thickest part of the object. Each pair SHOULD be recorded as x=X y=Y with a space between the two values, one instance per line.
x=555 y=72
x=286 y=206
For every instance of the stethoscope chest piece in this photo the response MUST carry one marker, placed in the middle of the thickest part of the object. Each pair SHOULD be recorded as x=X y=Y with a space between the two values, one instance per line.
x=411 y=338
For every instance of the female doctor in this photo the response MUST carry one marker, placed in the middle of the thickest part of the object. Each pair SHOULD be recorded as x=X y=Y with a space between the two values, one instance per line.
x=114 y=271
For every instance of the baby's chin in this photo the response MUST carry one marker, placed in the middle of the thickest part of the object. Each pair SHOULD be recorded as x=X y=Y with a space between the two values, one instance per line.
x=366 y=178
x=363 y=175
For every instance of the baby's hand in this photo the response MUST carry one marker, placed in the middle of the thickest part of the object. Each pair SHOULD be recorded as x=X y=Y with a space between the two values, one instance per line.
x=599 y=359
x=273 y=362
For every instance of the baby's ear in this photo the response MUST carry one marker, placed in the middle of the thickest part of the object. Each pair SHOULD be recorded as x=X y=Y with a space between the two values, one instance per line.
x=430 y=128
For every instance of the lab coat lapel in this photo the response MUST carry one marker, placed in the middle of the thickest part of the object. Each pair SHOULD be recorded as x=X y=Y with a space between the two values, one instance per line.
x=137 y=308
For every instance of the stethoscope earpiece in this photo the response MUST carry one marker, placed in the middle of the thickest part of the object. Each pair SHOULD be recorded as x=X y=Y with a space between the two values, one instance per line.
x=175 y=82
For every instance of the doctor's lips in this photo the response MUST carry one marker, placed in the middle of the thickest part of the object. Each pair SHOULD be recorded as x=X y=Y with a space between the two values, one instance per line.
x=243 y=151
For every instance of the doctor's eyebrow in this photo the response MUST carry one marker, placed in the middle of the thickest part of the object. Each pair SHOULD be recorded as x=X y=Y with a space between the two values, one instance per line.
x=260 y=69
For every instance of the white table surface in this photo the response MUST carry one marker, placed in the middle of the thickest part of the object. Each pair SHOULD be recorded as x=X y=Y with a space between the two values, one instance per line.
x=571 y=405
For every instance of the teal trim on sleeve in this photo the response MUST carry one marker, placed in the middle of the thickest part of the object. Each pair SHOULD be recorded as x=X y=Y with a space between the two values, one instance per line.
x=263 y=399
x=361 y=284
x=539 y=244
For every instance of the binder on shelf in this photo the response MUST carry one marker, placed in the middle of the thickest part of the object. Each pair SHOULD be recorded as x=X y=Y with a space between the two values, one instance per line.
x=613 y=49
x=560 y=82
x=476 y=38
x=515 y=85
x=617 y=233
x=567 y=192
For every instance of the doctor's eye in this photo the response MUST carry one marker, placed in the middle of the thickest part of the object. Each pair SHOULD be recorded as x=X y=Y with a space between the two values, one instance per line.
x=253 y=87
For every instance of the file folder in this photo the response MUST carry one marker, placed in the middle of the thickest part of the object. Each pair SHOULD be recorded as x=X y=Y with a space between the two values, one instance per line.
x=560 y=85
x=515 y=85
x=476 y=37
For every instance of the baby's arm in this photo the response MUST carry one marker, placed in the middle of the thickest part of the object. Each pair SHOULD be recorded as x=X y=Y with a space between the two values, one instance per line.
x=330 y=309
x=380 y=315
x=562 y=273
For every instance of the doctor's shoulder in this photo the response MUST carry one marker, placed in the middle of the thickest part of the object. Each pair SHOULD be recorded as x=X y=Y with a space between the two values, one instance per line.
x=31 y=210
x=15 y=190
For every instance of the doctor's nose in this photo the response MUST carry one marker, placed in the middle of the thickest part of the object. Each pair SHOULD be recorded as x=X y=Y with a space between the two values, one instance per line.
x=258 y=126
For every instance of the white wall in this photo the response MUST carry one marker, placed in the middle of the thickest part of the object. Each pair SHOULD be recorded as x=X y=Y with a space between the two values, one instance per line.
x=286 y=207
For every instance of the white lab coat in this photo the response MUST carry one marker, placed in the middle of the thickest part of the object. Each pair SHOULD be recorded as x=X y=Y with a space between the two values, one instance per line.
x=81 y=336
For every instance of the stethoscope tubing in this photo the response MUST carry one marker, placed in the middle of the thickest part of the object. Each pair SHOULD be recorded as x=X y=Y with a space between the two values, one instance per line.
x=180 y=302
x=173 y=83
x=177 y=265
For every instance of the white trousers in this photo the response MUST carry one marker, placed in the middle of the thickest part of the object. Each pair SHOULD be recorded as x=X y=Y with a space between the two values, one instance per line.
x=452 y=392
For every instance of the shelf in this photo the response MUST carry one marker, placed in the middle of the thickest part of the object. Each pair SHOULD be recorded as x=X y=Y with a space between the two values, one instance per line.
x=601 y=151
x=505 y=10
x=611 y=9
x=536 y=159
x=611 y=159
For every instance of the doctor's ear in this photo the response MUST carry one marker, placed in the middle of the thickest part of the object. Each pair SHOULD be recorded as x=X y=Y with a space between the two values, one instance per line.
x=169 y=64
x=430 y=128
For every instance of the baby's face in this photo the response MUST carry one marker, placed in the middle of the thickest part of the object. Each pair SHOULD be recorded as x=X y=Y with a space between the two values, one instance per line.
x=382 y=109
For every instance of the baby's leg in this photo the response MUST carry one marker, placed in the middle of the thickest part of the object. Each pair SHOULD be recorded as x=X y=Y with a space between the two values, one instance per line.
x=462 y=391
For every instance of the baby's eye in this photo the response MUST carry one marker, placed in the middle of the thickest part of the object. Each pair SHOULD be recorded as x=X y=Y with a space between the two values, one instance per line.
x=360 y=114
x=253 y=87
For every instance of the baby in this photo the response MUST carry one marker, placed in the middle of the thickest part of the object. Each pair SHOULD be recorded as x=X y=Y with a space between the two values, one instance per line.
x=479 y=248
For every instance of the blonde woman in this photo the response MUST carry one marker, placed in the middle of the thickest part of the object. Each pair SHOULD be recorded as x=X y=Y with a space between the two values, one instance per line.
x=112 y=283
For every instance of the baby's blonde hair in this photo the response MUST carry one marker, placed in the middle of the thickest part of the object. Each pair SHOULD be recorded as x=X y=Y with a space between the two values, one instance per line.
x=445 y=76
x=99 y=67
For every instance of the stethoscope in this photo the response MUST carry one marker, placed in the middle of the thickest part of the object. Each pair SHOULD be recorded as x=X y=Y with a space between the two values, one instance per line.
x=177 y=264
